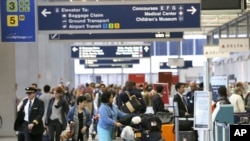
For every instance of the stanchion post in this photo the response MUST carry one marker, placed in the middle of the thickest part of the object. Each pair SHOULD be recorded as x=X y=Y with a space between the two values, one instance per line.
x=216 y=131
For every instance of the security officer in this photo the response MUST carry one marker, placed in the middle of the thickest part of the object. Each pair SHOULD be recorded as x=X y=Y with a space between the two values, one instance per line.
x=29 y=117
x=190 y=98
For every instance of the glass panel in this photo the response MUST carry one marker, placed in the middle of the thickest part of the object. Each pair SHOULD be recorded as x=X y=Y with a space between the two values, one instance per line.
x=199 y=45
x=242 y=28
x=174 y=48
x=232 y=30
x=224 y=32
x=187 y=47
x=161 y=48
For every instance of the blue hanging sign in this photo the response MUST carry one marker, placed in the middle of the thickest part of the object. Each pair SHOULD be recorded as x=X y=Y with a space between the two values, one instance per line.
x=18 y=21
x=107 y=17
x=111 y=52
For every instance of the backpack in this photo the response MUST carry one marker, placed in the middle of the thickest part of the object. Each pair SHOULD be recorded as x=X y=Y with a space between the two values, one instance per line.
x=151 y=122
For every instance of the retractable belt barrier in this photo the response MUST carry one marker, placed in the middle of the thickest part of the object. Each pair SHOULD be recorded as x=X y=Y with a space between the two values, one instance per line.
x=232 y=130
x=225 y=126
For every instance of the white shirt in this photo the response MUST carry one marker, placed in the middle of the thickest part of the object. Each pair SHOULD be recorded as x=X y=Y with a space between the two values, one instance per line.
x=26 y=109
x=238 y=103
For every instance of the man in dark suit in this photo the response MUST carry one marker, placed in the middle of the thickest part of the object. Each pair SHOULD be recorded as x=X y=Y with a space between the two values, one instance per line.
x=190 y=97
x=29 y=117
x=182 y=106
x=158 y=104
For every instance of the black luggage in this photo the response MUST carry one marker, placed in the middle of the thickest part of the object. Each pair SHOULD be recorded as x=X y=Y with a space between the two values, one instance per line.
x=187 y=135
x=151 y=135
x=45 y=135
x=151 y=122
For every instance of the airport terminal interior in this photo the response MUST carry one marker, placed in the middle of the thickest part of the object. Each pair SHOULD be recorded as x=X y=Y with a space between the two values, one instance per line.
x=85 y=45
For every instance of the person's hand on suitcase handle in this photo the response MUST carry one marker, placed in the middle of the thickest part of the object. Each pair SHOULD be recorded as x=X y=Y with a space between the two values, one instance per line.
x=118 y=124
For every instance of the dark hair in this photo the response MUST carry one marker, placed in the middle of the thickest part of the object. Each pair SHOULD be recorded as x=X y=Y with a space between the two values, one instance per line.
x=113 y=92
x=239 y=84
x=87 y=85
x=46 y=88
x=149 y=88
x=80 y=99
x=222 y=91
x=159 y=88
x=102 y=85
x=201 y=85
x=34 y=84
x=178 y=86
x=129 y=85
x=105 y=96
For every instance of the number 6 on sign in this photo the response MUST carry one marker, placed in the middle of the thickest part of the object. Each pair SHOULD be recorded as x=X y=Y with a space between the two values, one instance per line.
x=12 y=20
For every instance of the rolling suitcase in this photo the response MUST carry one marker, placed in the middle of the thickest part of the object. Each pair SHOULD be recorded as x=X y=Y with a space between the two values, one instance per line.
x=45 y=135
x=187 y=136
x=167 y=132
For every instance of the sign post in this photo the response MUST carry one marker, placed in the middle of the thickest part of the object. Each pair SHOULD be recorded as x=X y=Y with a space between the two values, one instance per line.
x=18 y=20
x=125 y=17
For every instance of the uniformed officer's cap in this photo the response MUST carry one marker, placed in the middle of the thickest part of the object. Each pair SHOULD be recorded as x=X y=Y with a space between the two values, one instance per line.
x=30 y=90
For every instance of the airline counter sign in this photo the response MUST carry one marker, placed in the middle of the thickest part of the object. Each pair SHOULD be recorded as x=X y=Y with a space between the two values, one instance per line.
x=234 y=44
x=214 y=51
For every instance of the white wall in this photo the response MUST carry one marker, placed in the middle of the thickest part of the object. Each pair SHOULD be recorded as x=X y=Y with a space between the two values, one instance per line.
x=119 y=76
x=239 y=67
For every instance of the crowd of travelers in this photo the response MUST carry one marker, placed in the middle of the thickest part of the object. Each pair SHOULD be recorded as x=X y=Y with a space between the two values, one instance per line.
x=95 y=108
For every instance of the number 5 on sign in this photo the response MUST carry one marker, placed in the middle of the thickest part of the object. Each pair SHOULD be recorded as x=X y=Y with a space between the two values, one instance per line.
x=12 y=20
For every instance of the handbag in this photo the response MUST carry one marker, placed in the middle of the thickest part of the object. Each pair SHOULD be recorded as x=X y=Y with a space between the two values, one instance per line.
x=186 y=125
x=126 y=120
x=114 y=130
x=165 y=117
x=132 y=105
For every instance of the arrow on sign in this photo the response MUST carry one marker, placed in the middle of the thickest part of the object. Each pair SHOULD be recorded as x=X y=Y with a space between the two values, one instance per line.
x=192 y=10
x=74 y=49
x=45 y=12
x=146 y=48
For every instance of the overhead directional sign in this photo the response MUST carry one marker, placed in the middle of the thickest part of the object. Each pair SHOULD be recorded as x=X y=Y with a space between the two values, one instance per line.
x=104 y=52
x=165 y=65
x=121 y=17
x=118 y=36
x=109 y=66
x=111 y=61
x=18 y=20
